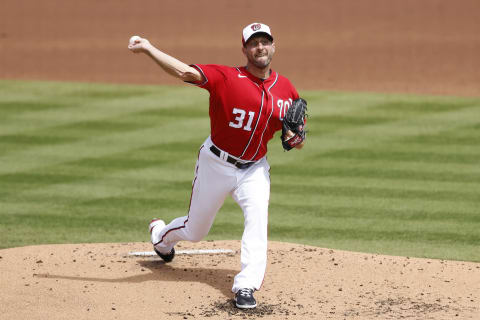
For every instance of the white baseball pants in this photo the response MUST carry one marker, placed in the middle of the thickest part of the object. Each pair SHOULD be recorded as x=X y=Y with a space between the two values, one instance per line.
x=214 y=180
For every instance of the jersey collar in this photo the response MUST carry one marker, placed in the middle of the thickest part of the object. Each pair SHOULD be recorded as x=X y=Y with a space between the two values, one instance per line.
x=243 y=70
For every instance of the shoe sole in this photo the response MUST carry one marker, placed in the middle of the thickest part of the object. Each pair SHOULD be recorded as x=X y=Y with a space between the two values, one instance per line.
x=165 y=257
x=239 y=306
x=245 y=307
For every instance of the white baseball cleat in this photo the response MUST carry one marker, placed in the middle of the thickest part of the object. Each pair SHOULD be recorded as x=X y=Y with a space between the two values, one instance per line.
x=156 y=225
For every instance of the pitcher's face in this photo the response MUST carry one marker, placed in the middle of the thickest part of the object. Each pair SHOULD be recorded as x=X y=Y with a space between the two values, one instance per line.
x=259 y=51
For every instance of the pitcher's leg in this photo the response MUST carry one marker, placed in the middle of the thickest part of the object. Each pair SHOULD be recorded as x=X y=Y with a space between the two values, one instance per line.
x=211 y=185
x=253 y=195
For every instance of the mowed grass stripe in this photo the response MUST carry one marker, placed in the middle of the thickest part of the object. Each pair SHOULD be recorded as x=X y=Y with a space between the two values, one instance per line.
x=363 y=203
x=73 y=177
x=26 y=140
x=355 y=233
x=77 y=103
x=17 y=108
x=36 y=157
x=157 y=154
x=380 y=173
x=333 y=123
x=460 y=136
x=393 y=155
x=396 y=184
x=404 y=108
x=391 y=132
x=367 y=211
x=376 y=115
x=86 y=129
x=373 y=225
x=375 y=192
x=78 y=131
x=74 y=229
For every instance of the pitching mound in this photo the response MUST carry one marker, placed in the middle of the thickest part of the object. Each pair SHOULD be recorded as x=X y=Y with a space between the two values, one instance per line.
x=102 y=281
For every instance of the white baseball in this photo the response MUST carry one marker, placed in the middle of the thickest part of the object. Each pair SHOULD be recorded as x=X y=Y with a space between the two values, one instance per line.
x=133 y=39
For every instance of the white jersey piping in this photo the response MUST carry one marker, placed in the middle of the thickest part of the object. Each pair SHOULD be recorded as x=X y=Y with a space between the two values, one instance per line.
x=256 y=125
x=269 y=117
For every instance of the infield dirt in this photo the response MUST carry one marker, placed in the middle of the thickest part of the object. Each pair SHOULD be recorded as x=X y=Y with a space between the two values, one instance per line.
x=101 y=281
x=428 y=46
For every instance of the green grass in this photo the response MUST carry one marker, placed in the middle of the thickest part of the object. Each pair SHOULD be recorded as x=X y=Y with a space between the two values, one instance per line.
x=392 y=174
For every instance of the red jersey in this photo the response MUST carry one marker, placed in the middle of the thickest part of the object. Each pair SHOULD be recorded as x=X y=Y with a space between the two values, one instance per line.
x=245 y=111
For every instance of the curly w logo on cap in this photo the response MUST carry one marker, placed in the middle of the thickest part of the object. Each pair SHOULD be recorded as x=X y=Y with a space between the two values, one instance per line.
x=256 y=27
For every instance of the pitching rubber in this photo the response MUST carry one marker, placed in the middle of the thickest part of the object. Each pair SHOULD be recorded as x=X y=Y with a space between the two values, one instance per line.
x=189 y=252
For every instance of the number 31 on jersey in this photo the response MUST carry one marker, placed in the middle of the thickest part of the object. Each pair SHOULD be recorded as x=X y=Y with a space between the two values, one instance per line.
x=240 y=117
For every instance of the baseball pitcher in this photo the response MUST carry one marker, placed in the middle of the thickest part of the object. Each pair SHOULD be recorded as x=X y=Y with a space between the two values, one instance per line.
x=248 y=104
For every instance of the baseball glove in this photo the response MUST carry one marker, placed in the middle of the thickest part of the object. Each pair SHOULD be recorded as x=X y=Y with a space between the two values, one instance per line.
x=294 y=121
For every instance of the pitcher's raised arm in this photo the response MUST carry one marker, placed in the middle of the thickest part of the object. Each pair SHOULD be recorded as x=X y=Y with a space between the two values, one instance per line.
x=169 y=64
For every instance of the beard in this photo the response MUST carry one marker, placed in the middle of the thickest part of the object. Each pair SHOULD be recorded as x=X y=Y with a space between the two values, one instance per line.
x=261 y=64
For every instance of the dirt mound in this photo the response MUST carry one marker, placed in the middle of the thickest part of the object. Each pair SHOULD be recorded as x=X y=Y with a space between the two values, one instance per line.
x=102 y=281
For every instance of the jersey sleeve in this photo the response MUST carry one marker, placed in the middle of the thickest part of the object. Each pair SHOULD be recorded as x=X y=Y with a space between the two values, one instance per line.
x=212 y=74
x=294 y=92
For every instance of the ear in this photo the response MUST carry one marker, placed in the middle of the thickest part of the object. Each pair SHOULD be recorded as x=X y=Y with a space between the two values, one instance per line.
x=273 y=47
x=244 y=50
